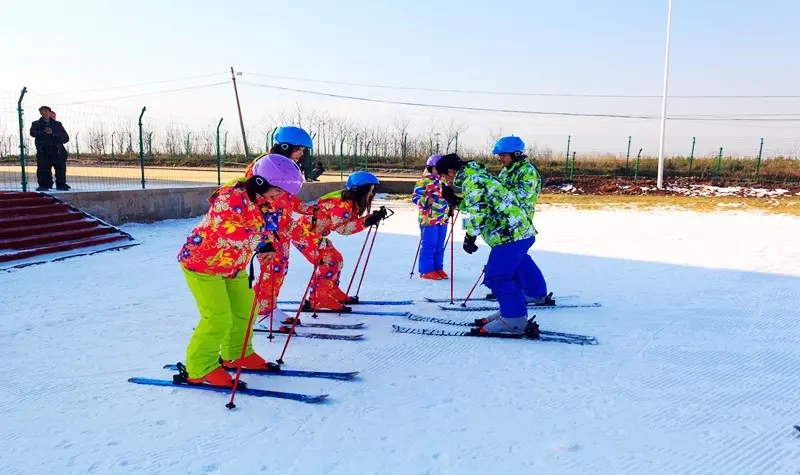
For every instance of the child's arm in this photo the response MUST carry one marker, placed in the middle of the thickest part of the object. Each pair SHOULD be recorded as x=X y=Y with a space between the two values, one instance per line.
x=422 y=191
x=343 y=221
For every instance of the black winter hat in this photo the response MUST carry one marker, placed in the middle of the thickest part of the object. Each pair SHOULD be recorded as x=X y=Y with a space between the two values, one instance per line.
x=451 y=161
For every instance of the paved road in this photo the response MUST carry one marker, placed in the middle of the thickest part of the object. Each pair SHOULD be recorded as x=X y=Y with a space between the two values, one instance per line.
x=86 y=178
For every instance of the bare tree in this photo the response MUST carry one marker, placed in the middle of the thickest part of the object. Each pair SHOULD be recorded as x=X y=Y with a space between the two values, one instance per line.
x=452 y=131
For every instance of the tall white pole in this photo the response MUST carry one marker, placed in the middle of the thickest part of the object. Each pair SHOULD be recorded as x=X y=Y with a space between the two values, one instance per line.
x=660 y=183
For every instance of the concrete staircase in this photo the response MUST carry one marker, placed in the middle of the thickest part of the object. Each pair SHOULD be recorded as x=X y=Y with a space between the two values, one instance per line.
x=37 y=228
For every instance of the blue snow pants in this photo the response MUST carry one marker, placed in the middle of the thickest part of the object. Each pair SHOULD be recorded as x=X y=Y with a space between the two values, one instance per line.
x=431 y=251
x=511 y=274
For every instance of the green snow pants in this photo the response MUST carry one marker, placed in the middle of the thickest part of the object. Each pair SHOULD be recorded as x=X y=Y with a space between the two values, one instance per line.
x=224 y=306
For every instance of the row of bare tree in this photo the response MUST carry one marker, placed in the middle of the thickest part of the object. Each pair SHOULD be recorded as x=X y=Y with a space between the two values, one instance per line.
x=333 y=135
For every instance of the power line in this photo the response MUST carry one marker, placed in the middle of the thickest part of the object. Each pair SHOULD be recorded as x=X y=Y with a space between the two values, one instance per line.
x=200 y=86
x=186 y=78
x=532 y=94
x=517 y=111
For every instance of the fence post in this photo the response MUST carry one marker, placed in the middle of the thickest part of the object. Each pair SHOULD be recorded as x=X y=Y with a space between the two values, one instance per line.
x=758 y=162
x=627 y=157
x=366 y=156
x=636 y=173
x=404 y=149
x=572 y=170
x=219 y=157
x=22 y=140
x=341 y=160
x=188 y=144
x=354 y=160
x=141 y=145
x=719 y=164
x=112 y=145
x=456 y=151
x=566 y=160
x=77 y=146
x=691 y=157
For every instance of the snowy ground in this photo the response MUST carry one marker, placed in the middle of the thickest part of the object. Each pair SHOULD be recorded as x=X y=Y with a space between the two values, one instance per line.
x=695 y=371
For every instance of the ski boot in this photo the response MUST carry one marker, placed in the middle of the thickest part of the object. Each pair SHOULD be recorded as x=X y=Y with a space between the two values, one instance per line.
x=277 y=314
x=479 y=322
x=217 y=377
x=506 y=326
x=343 y=298
x=325 y=304
x=431 y=276
x=443 y=274
x=251 y=361
x=546 y=301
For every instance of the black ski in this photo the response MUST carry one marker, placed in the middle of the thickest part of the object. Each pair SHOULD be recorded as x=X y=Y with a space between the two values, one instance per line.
x=532 y=332
x=459 y=308
x=476 y=323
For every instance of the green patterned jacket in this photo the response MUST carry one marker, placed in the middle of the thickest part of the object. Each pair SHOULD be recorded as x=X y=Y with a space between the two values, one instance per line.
x=495 y=212
x=522 y=179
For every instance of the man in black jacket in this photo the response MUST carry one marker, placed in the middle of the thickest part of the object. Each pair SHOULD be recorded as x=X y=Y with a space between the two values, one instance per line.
x=50 y=137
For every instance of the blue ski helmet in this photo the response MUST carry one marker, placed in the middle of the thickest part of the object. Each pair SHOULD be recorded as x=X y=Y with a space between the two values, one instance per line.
x=293 y=135
x=361 y=178
x=510 y=145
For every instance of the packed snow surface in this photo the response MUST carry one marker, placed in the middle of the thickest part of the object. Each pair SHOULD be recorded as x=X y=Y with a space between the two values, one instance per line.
x=696 y=370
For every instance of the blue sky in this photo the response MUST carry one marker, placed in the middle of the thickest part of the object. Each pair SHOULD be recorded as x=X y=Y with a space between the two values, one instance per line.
x=719 y=47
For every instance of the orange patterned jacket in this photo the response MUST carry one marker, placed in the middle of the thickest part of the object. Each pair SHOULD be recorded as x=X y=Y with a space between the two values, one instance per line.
x=285 y=205
x=227 y=236
x=333 y=214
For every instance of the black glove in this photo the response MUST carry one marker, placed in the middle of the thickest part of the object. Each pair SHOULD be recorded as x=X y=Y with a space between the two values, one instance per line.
x=265 y=248
x=469 y=244
x=376 y=217
x=450 y=196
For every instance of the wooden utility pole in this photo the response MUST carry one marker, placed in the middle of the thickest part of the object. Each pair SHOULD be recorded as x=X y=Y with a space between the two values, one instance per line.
x=241 y=121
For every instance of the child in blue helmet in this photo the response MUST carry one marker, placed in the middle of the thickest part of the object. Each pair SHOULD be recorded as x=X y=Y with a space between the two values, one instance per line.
x=520 y=177
x=341 y=211
x=434 y=213
x=291 y=142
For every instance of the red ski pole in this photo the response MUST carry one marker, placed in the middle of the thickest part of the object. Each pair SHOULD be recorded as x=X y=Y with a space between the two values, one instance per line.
x=366 y=262
x=451 y=234
x=299 y=309
x=464 y=304
x=358 y=262
x=247 y=335
x=452 y=267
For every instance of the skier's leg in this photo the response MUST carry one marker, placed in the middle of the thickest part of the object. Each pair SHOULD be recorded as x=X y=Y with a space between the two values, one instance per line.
x=427 y=251
x=240 y=299
x=438 y=258
x=503 y=264
x=209 y=291
x=532 y=278
x=326 y=293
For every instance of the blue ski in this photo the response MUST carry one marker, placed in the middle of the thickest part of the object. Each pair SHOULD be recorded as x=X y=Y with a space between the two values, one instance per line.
x=361 y=302
x=246 y=391
x=288 y=372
